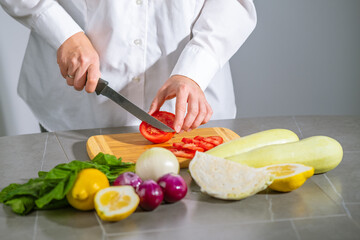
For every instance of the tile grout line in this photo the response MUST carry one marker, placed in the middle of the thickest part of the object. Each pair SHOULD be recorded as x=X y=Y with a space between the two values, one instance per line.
x=298 y=127
x=298 y=237
x=101 y=226
x=62 y=148
x=243 y=223
x=342 y=199
x=41 y=168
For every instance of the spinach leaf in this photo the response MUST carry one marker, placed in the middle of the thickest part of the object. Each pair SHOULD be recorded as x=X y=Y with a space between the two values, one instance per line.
x=49 y=189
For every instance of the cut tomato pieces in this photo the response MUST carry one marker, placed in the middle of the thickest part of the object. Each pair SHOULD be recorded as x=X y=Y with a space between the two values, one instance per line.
x=206 y=145
x=156 y=135
x=199 y=138
x=188 y=146
x=178 y=145
x=216 y=140
x=184 y=153
x=193 y=146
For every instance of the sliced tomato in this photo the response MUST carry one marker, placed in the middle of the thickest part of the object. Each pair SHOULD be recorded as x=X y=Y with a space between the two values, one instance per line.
x=187 y=140
x=206 y=145
x=193 y=146
x=178 y=145
x=156 y=135
x=199 y=138
x=184 y=153
x=216 y=140
x=199 y=141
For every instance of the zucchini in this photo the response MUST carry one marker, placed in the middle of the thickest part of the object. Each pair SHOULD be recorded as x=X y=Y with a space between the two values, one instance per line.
x=250 y=142
x=320 y=152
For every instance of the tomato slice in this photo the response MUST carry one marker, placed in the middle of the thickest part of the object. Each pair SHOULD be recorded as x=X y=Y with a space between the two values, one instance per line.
x=156 y=135
x=178 y=145
x=198 y=141
x=199 y=138
x=216 y=140
x=206 y=145
x=193 y=146
x=187 y=140
x=184 y=153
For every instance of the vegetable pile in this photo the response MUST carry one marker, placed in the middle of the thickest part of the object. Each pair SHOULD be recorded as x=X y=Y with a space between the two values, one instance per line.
x=48 y=191
x=278 y=152
x=86 y=186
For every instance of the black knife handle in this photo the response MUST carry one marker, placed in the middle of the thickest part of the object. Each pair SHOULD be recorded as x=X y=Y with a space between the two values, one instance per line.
x=100 y=86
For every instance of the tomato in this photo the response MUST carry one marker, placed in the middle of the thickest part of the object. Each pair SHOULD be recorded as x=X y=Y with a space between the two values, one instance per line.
x=156 y=135
x=188 y=146
x=205 y=145
x=192 y=146
x=216 y=140
x=183 y=153
x=178 y=145
x=198 y=141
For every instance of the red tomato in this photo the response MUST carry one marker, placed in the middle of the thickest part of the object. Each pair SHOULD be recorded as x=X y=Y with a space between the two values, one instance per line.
x=192 y=146
x=178 y=145
x=198 y=141
x=199 y=138
x=183 y=153
x=206 y=145
x=216 y=140
x=156 y=135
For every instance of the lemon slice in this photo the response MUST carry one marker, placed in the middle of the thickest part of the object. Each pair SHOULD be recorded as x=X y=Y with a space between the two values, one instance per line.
x=224 y=179
x=289 y=176
x=116 y=203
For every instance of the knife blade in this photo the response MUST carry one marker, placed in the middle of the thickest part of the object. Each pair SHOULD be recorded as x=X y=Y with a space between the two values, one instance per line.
x=103 y=89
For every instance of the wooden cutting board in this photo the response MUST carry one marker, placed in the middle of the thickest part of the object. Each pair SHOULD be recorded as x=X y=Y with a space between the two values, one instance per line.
x=129 y=146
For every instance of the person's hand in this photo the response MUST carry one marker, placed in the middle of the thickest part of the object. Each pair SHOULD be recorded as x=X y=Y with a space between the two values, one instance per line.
x=79 y=62
x=190 y=97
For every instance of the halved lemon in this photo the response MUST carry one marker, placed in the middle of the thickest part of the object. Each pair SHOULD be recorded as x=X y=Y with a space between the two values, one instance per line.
x=116 y=203
x=289 y=176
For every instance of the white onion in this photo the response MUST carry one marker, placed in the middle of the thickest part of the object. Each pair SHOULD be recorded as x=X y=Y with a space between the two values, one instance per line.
x=155 y=163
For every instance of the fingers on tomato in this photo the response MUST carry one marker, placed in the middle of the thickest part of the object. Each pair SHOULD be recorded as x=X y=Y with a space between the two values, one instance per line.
x=156 y=135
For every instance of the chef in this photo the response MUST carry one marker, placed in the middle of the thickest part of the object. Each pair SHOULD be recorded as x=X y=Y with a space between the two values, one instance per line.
x=161 y=54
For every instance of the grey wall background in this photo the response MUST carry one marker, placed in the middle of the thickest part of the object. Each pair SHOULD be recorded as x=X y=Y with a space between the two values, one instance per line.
x=303 y=58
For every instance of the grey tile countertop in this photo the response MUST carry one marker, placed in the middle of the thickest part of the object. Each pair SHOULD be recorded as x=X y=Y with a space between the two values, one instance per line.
x=327 y=206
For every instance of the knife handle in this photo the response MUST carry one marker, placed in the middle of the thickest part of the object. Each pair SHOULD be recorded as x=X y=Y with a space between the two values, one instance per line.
x=100 y=86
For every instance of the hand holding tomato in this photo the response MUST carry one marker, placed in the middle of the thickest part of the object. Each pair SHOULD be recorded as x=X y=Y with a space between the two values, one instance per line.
x=190 y=97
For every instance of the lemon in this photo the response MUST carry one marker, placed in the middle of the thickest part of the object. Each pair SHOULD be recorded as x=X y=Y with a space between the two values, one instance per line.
x=88 y=182
x=116 y=203
x=224 y=179
x=289 y=176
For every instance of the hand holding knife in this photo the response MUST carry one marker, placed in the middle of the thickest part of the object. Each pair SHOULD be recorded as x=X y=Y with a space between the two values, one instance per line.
x=103 y=89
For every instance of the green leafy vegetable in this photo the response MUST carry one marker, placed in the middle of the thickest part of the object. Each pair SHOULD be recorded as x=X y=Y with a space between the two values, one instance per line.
x=48 y=191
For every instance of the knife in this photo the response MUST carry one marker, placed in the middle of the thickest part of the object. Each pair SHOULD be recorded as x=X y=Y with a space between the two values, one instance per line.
x=103 y=89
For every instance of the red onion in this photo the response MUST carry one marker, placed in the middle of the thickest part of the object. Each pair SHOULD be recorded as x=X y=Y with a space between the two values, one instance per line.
x=150 y=194
x=173 y=186
x=128 y=178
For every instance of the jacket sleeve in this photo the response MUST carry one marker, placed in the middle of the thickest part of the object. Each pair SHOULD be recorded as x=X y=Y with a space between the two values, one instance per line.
x=219 y=31
x=45 y=17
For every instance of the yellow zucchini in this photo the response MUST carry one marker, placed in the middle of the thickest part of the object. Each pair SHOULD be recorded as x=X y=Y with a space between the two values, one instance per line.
x=250 y=142
x=320 y=152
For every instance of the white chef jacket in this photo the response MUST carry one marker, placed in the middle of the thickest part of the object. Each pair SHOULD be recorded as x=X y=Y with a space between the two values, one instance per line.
x=141 y=43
